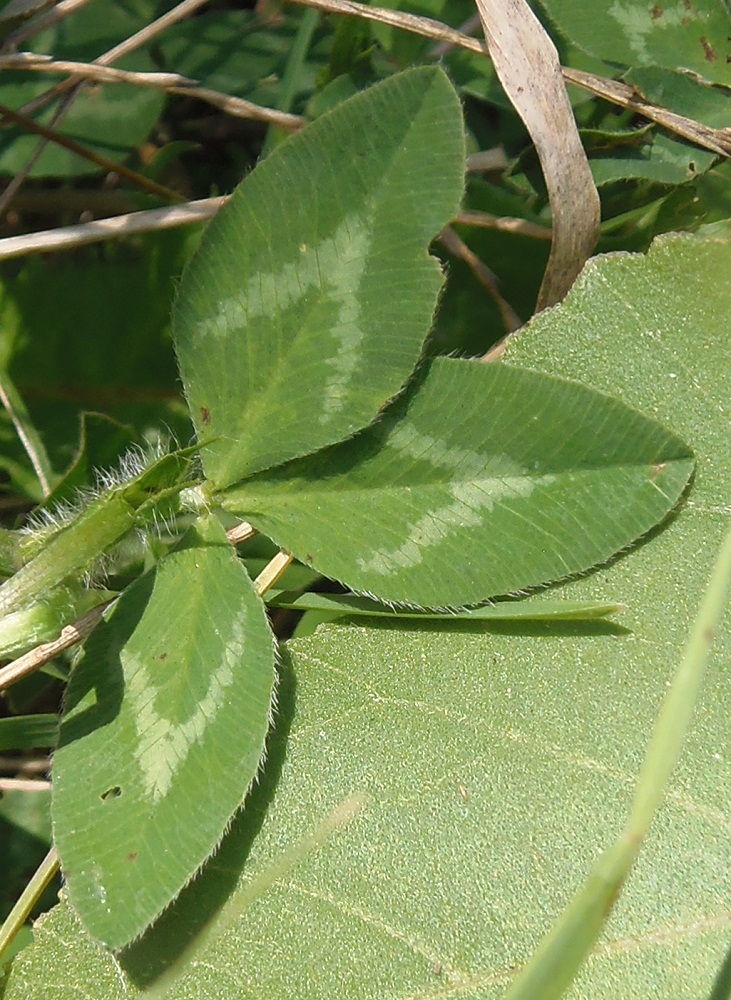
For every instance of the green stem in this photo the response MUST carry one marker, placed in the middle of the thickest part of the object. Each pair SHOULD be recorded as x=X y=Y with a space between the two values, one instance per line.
x=106 y=521
x=292 y=75
x=28 y=899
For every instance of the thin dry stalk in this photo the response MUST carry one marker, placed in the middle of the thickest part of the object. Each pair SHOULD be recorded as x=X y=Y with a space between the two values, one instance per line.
x=50 y=135
x=69 y=237
x=504 y=223
x=24 y=785
x=241 y=533
x=172 y=83
x=38 y=657
x=716 y=140
x=456 y=246
x=73 y=83
x=33 y=62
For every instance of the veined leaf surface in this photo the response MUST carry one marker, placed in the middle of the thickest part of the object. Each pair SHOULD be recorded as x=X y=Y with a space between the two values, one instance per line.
x=499 y=765
x=307 y=305
x=162 y=734
x=481 y=480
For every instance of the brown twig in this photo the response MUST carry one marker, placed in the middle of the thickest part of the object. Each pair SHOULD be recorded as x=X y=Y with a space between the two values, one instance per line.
x=716 y=140
x=153 y=219
x=71 y=87
x=38 y=657
x=456 y=246
x=505 y=223
x=171 y=83
x=86 y=154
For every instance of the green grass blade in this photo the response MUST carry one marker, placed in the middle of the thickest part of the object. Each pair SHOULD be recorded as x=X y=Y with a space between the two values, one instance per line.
x=554 y=965
x=353 y=604
x=25 y=732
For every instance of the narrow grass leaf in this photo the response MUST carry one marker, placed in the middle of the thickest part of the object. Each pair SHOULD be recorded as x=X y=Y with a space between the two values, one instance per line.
x=357 y=606
x=308 y=302
x=473 y=462
x=162 y=734
x=554 y=965
x=26 y=732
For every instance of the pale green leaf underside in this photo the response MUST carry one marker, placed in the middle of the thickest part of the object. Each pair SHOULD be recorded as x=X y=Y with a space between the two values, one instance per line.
x=308 y=302
x=162 y=734
x=354 y=605
x=481 y=480
x=678 y=35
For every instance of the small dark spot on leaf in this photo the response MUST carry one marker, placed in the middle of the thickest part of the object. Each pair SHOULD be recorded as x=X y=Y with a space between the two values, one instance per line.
x=708 y=49
x=205 y=416
x=688 y=5
x=132 y=856
x=656 y=12
x=163 y=656
x=437 y=969
x=308 y=558
x=111 y=793
x=709 y=635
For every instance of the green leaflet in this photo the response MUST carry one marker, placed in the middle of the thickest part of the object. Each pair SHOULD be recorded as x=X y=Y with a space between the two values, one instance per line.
x=308 y=302
x=162 y=734
x=481 y=480
x=680 y=35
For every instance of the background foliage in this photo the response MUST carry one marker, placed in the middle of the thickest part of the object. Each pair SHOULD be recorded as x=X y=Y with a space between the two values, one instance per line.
x=496 y=759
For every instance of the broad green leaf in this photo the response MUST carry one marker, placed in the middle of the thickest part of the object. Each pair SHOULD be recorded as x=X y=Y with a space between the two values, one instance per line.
x=676 y=35
x=307 y=305
x=481 y=480
x=162 y=734
x=499 y=764
x=353 y=604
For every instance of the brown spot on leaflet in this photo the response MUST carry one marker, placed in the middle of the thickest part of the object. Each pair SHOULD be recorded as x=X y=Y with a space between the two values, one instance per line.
x=656 y=12
x=708 y=49
x=111 y=793
x=205 y=416
x=132 y=856
x=657 y=468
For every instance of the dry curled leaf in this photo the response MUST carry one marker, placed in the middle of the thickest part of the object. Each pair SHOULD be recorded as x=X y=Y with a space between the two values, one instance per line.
x=526 y=62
